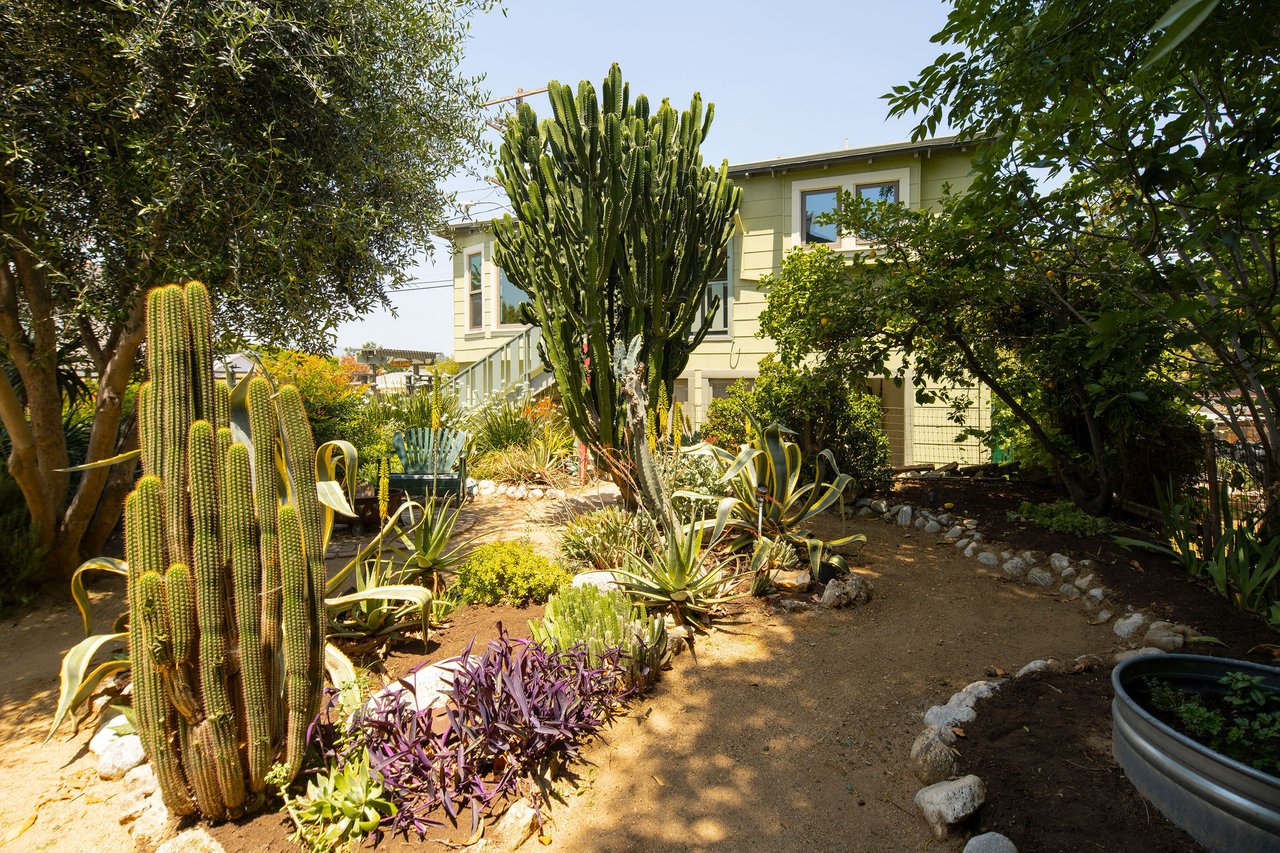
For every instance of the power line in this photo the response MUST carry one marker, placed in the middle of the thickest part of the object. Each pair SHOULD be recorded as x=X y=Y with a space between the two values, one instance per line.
x=429 y=284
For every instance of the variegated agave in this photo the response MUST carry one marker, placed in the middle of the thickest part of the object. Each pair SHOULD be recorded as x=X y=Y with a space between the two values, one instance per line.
x=766 y=499
x=678 y=576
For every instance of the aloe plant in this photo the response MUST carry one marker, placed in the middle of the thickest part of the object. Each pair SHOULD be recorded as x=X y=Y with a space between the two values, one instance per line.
x=678 y=576
x=766 y=499
x=604 y=622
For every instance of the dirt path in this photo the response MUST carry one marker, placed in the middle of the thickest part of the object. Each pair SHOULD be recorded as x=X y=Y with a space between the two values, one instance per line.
x=788 y=732
x=791 y=732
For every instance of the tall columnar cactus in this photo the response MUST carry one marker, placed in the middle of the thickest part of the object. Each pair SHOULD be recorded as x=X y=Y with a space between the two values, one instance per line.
x=619 y=227
x=225 y=546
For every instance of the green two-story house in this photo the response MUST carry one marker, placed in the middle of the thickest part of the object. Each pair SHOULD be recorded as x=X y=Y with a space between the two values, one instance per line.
x=781 y=200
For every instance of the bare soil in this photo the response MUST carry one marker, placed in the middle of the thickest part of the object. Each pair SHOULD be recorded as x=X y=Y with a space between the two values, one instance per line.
x=786 y=731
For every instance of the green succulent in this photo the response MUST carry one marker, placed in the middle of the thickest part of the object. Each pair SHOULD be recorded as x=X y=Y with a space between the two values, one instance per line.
x=340 y=807
x=601 y=620
x=678 y=576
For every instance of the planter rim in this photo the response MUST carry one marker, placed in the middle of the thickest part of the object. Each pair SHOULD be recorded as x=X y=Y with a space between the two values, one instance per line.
x=1228 y=664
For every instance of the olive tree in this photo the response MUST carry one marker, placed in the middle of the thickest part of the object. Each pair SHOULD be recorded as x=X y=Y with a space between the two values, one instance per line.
x=289 y=155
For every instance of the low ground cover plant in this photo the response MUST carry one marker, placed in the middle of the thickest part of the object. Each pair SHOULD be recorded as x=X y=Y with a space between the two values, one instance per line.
x=1062 y=517
x=605 y=621
x=1243 y=723
x=517 y=712
x=509 y=573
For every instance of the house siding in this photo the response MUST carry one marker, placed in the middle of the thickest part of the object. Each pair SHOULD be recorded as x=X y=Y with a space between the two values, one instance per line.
x=918 y=433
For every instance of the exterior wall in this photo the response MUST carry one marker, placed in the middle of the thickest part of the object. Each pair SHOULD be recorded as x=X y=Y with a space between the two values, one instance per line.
x=768 y=229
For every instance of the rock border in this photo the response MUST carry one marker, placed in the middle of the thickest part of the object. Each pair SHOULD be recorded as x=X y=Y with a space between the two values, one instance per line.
x=946 y=800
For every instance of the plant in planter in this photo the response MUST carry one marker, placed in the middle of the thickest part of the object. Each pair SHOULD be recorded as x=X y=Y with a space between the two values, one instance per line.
x=1223 y=803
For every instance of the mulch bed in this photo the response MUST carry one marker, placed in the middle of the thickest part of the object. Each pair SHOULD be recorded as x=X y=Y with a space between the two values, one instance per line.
x=1042 y=745
x=1140 y=579
x=475 y=624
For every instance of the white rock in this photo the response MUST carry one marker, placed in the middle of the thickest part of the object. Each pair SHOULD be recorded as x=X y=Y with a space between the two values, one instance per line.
x=515 y=826
x=982 y=689
x=947 y=803
x=1040 y=665
x=1083 y=581
x=955 y=532
x=978 y=537
x=987 y=558
x=1093 y=598
x=1068 y=574
x=971 y=523
x=880 y=507
x=1128 y=627
x=1069 y=592
x=130 y=805
x=904 y=515
x=949 y=715
x=487 y=484
x=471 y=481
x=536 y=494
x=855 y=589
x=932 y=758
x=1145 y=651
x=154 y=825
x=559 y=494
x=1101 y=617
x=990 y=842
x=1165 y=636
x=921 y=521
x=1059 y=562
x=961 y=544
x=108 y=733
x=120 y=757
x=1014 y=567
x=1040 y=576
x=933 y=528
x=971 y=549
x=419 y=689
x=603 y=580
x=196 y=840
x=141 y=778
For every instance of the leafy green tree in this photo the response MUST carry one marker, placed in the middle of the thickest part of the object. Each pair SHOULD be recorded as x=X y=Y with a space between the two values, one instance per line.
x=290 y=155
x=955 y=294
x=1163 y=180
x=619 y=226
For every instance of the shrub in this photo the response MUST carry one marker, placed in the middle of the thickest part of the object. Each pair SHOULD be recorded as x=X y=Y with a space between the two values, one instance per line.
x=603 y=622
x=499 y=424
x=603 y=539
x=325 y=385
x=1062 y=517
x=510 y=573
x=536 y=464
x=822 y=411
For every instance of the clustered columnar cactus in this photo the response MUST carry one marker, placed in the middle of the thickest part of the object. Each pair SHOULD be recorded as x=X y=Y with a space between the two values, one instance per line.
x=619 y=227
x=223 y=537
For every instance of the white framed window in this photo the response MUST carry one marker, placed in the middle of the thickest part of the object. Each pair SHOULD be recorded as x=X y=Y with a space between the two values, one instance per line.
x=814 y=197
x=509 y=298
x=720 y=287
x=473 y=269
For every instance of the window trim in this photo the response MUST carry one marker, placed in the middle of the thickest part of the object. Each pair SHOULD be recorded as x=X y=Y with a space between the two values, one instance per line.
x=847 y=183
x=800 y=212
x=472 y=288
x=726 y=302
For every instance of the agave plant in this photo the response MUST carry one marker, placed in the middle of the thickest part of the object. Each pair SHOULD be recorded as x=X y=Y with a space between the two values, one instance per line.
x=379 y=608
x=766 y=498
x=678 y=576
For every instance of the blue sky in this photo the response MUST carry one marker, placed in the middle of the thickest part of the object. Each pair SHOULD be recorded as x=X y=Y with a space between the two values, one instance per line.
x=783 y=83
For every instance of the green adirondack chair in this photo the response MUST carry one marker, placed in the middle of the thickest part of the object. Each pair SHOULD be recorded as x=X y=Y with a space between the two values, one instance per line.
x=434 y=462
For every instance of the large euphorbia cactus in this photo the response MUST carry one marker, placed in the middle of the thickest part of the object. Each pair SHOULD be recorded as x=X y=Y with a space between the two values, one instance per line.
x=619 y=227
x=224 y=540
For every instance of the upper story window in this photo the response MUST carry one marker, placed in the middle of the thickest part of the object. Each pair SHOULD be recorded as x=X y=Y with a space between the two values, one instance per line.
x=720 y=288
x=817 y=203
x=475 y=290
x=510 y=298
x=811 y=199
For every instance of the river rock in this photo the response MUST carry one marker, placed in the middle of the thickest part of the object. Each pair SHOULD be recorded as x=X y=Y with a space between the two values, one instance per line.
x=1143 y=652
x=1068 y=592
x=1059 y=562
x=847 y=592
x=195 y=840
x=151 y=828
x=1100 y=617
x=603 y=580
x=989 y=559
x=933 y=528
x=1165 y=636
x=955 y=532
x=1014 y=567
x=971 y=549
x=515 y=826
x=977 y=536
x=879 y=506
x=904 y=515
x=792 y=581
x=932 y=759
x=1040 y=576
x=108 y=733
x=1128 y=627
x=962 y=544
x=949 y=715
x=945 y=804
x=1040 y=665
x=1083 y=581
x=1093 y=599
x=419 y=689
x=990 y=842
x=141 y=778
x=120 y=757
